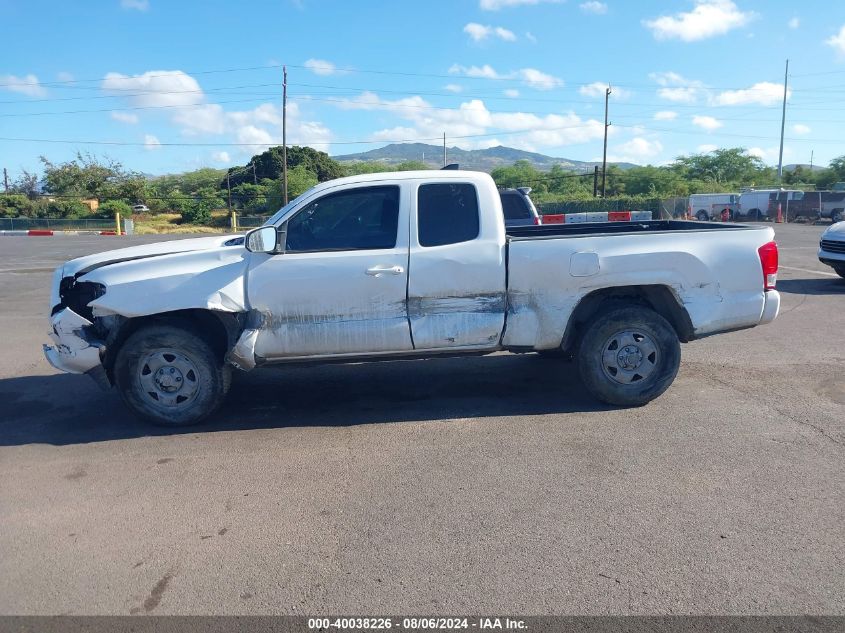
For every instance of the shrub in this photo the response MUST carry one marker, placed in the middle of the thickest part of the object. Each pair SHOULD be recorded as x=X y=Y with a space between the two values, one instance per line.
x=16 y=205
x=67 y=209
x=112 y=207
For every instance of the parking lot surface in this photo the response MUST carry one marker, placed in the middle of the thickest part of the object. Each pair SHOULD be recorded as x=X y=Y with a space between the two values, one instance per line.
x=460 y=486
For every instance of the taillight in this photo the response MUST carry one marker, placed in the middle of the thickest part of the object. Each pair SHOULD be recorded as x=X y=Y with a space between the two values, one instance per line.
x=769 y=261
x=537 y=220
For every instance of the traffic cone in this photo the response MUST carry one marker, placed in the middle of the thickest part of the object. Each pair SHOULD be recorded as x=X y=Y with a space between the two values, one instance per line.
x=779 y=219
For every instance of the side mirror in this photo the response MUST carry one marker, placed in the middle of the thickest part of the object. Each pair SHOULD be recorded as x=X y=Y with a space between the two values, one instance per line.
x=264 y=239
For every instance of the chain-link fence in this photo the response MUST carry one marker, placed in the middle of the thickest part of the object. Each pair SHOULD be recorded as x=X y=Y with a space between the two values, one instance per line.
x=251 y=221
x=56 y=224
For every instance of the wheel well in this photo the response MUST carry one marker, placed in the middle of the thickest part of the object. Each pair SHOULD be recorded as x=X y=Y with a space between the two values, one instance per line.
x=219 y=329
x=658 y=298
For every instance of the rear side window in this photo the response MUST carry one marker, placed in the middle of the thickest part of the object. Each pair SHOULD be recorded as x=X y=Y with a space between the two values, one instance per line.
x=447 y=213
x=515 y=207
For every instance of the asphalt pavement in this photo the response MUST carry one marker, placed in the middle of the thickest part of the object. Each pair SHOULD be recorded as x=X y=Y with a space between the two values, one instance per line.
x=446 y=486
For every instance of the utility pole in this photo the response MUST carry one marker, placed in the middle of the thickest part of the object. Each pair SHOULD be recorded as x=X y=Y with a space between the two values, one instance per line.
x=229 y=191
x=6 y=179
x=444 y=149
x=811 y=161
x=604 y=155
x=783 y=124
x=595 y=181
x=285 y=132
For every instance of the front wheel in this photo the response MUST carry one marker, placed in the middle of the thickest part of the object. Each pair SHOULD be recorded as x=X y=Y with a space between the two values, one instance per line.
x=629 y=356
x=170 y=376
x=702 y=216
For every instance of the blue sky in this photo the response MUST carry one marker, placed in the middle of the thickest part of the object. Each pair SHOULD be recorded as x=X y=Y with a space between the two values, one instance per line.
x=168 y=86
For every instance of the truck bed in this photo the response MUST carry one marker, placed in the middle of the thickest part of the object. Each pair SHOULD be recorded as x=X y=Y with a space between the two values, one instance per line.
x=614 y=228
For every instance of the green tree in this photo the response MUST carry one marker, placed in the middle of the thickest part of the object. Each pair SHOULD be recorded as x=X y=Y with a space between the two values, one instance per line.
x=364 y=167
x=411 y=165
x=300 y=180
x=111 y=208
x=87 y=176
x=269 y=165
x=521 y=174
x=198 y=210
x=733 y=165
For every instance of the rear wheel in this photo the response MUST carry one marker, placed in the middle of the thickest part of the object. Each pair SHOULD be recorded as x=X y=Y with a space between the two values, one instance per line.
x=170 y=376
x=629 y=356
x=702 y=216
x=754 y=215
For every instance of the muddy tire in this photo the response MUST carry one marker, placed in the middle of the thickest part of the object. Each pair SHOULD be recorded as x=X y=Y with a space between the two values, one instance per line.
x=170 y=376
x=629 y=356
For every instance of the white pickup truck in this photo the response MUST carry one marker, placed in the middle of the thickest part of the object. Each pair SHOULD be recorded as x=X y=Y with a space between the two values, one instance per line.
x=410 y=264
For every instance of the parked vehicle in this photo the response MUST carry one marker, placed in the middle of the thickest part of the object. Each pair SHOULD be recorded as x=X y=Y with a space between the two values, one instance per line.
x=407 y=264
x=760 y=204
x=832 y=248
x=708 y=206
x=518 y=208
x=140 y=208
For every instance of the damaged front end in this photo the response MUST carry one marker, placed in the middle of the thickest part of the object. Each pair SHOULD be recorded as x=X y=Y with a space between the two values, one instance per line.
x=77 y=349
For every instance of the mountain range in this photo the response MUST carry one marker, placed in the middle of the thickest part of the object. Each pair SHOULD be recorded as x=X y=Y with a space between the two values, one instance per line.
x=474 y=159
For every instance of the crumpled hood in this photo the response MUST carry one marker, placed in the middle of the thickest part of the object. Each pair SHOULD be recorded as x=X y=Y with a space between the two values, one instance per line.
x=92 y=262
x=835 y=231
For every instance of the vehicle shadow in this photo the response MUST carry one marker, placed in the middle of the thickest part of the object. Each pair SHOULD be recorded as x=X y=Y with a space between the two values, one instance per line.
x=66 y=409
x=827 y=286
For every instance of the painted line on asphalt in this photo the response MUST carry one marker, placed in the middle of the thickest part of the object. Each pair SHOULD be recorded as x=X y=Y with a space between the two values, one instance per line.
x=807 y=270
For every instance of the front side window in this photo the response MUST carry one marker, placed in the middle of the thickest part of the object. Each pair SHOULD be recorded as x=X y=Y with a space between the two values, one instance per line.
x=447 y=214
x=356 y=219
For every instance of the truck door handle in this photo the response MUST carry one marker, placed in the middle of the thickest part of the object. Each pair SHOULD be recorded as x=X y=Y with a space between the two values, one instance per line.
x=375 y=271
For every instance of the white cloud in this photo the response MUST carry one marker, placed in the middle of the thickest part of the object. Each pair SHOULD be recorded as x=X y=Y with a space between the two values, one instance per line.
x=665 y=115
x=472 y=118
x=262 y=125
x=637 y=150
x=530 y=37
x=762 y=93
x=151 y=143
x=708 y=123
x=486 y=71
x=453 y=88
x=222 y=158
x=530 y=76
x=511 y=92
x=27 y=85
x=479 y=32
x=125 y=117
x=539 y=80
x=709 y=18
x=597 y=88
x=707 y=148
x=65 y=76
x=677 y=88
x=593 y=6
x=800 y=128
x=495 y=5
x=794 y=23
x=837 y=42
x=138 y=5
x=155 y=88
x=322 y=67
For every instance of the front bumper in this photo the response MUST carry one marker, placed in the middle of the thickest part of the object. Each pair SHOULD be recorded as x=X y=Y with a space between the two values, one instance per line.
x=75 y=352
